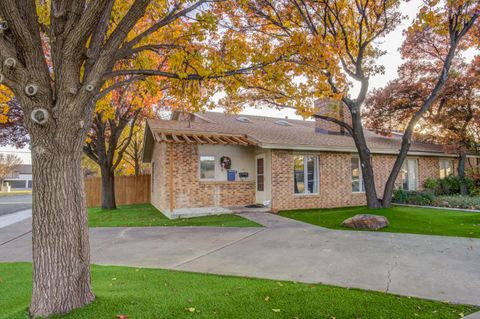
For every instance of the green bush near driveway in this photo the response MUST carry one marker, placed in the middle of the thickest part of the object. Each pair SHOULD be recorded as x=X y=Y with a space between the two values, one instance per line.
x=166 y=294
x=146 y=215
x=411 y=220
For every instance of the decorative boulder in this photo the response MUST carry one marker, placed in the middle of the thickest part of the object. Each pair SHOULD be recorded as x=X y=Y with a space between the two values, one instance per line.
x=366 y=221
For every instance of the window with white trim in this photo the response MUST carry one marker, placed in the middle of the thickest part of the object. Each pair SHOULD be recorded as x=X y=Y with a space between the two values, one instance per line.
x=207 y=167
x=357 y=176
x=446 y=167
x=305 y=172
x=409 y=174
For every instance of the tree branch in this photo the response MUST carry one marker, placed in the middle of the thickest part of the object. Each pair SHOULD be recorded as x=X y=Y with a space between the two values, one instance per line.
x=336 y=121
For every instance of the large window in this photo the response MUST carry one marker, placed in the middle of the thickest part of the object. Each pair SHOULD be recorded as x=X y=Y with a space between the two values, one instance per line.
x=409 y=174
x=446 y=168
x=207 y=167
x=357 y=178
x=305 y=174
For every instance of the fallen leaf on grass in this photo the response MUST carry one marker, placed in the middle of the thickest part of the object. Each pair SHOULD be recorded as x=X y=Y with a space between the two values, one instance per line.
x=280 y=284
x=191 y=309
x=276 y=310
x=461 y=315
x=267 y=298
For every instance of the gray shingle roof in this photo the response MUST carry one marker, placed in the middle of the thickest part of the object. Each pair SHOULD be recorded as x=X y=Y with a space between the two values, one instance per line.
x=299 y=135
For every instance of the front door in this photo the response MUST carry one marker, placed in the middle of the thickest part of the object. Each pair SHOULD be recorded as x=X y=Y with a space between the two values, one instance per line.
x=260 y=178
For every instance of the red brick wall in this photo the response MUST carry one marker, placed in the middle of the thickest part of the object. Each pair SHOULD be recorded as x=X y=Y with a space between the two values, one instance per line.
x=189 y=192
x=335 y=183
x=335 y=179
x=334 y=189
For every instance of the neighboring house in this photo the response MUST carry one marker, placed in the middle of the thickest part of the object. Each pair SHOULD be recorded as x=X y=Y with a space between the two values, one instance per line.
x=21 y=178
x=284 y=164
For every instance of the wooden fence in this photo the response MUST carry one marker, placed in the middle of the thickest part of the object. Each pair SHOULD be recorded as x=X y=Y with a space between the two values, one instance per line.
x=128 y=190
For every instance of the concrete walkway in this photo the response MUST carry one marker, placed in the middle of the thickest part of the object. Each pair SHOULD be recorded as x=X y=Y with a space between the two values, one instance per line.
x=434 y=267
x=475 y=315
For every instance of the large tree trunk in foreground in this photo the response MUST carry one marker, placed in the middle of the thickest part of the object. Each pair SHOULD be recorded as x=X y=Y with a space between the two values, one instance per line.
x=108 y=189
x=61 y=258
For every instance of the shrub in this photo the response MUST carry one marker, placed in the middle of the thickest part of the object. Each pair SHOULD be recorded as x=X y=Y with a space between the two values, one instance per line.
x=427 y=198
x=400 y=196
x=413 y=198
x=431 y=184
x=449 y=185
x=475 y=191
x=457 y=201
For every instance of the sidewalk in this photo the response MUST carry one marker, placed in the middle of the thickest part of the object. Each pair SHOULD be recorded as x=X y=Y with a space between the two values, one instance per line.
x=431 y=267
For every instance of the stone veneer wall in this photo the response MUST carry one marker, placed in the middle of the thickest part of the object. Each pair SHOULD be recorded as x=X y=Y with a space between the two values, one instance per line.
x=335 y=179
x=189 y=192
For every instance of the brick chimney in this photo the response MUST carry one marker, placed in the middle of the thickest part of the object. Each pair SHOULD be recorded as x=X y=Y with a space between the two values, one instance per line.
x=335 y=109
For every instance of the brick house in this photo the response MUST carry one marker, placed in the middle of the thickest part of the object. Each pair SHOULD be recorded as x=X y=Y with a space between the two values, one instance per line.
x=281 y=163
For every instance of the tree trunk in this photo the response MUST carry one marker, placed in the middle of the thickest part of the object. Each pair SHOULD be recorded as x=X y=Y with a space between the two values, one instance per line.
x=108 y=189
x=397 y=166
x=365 y=158
x=137 y=167
x=369 y=181
x=461 y=173
x=61 y=257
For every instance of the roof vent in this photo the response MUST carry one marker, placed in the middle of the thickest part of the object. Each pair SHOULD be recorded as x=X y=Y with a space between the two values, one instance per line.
x=244 y=119
x=283 y=123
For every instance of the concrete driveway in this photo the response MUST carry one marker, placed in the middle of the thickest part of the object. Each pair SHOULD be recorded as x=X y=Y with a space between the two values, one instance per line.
x=434 y=267
x=14 y=203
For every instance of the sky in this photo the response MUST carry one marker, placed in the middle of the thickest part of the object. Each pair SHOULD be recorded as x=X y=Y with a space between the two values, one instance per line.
x=391 y=61
x=24 y=154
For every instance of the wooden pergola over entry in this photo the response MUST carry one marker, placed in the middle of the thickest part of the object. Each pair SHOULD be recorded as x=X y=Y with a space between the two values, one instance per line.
x=203 y=138
x=185 y=137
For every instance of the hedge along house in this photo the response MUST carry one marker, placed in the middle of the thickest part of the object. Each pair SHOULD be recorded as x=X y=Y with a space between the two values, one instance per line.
x=207 y=163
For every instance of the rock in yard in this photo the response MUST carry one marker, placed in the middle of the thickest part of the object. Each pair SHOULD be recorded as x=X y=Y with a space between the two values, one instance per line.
x=366 y=221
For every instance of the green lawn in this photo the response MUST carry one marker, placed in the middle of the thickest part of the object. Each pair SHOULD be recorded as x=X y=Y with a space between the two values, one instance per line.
x=402 y=220
x=155 y=293
x=146 y=215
